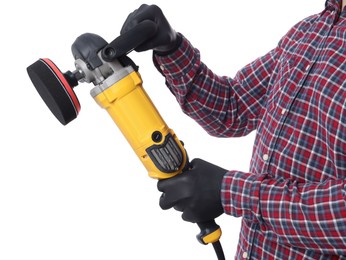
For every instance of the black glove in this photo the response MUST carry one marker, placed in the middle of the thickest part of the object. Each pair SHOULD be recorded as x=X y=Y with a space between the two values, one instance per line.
x=196 y=192
x=164 y=41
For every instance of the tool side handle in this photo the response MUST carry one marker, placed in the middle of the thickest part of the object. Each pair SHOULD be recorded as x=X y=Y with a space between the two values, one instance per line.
x=128 y=41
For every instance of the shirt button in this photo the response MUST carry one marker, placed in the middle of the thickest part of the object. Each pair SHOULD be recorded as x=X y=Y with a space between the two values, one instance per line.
x=162 y=67
x=283 y=111
x=307 y=68
x=265 y=157
x=245 y=255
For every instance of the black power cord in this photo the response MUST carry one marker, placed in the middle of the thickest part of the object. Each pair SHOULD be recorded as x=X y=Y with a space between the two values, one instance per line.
x=218 y=250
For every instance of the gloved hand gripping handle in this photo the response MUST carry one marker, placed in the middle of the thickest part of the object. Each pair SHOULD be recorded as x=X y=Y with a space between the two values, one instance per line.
x=128 y=41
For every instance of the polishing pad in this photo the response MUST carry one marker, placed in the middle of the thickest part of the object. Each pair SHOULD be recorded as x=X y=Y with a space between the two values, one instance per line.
x=55 y=90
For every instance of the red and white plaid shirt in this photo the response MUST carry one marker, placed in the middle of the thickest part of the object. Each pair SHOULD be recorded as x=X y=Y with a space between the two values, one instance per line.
x=292 y=200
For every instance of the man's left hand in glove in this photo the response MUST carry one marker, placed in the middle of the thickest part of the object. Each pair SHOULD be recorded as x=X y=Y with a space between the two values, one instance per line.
x=196 y=192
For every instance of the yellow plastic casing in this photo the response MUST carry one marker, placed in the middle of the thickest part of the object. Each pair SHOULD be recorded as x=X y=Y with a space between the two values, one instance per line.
x=138 y=119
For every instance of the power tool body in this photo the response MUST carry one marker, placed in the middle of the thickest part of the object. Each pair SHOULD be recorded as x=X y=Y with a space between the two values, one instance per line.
x=118 y=89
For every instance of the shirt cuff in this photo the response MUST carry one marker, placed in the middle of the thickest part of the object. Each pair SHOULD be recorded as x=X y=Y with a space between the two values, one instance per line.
x=182 y=62
x=240 y=194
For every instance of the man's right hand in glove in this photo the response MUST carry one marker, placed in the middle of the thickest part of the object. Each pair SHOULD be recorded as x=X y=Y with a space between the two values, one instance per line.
x=196 y=192
x=164 y=41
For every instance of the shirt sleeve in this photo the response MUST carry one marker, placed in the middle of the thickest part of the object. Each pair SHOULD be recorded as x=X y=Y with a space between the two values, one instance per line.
x=307 y=215
x=223 y=106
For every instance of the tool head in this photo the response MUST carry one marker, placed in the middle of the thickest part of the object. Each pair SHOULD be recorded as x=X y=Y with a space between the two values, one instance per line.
x=55 y=88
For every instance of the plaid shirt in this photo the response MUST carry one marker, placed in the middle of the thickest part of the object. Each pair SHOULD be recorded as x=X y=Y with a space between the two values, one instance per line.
x=292 y=200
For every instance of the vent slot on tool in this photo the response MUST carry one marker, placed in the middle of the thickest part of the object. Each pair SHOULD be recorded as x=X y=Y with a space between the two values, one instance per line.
x=168 y=156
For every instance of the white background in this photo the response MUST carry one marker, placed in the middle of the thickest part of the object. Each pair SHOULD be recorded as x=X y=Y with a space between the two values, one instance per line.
x=78 y=192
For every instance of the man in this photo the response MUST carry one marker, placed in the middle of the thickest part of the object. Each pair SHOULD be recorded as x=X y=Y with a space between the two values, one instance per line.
x=292 y=200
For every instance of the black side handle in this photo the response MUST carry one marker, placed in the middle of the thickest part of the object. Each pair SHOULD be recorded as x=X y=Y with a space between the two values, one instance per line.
x=128 y=41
